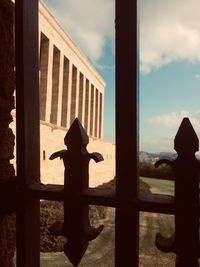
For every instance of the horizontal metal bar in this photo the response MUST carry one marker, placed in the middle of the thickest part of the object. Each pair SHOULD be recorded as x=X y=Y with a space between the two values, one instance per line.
x=157 y=203
x=56 y=192
x=159 y=178
x=95 y=196
x=99 y=196
x=47 y=192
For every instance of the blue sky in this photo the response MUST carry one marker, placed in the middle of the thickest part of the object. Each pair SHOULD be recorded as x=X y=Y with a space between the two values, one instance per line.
x=166 y=96
x=169 y=61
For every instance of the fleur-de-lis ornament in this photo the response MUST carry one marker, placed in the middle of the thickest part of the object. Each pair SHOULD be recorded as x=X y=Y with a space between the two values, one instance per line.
x=76 y=226
x=185 y=241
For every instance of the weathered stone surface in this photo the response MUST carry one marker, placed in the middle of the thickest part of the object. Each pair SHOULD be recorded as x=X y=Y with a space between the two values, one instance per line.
x=7 y=85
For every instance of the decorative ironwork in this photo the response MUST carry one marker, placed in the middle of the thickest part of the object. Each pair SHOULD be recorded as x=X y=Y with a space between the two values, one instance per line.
x=185 y=241
x=76 y=226
x=75 y=193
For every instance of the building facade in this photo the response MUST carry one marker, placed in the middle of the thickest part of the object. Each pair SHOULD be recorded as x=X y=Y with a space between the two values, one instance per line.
x=69 y=85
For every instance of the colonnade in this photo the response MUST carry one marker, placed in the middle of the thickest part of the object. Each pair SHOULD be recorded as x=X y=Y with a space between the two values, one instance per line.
x=66 y=92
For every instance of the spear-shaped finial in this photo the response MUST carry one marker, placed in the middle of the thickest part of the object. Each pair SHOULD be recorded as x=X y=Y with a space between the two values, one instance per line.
x=76 y=136
x=186 y=140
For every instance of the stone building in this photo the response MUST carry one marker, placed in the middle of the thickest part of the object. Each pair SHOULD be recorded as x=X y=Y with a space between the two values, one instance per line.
x=69 y=86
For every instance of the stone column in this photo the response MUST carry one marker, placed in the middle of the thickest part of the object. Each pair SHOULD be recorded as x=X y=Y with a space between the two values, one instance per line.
x=99 y=103
x=74 y=94
x=39 y=40
x=96 y=131
x=92 y=109
x=87 y=106
x=44 y=62
x=77 y=93
x=60 y=89
x=83 y=101
x=102 y=121
x=101 y=116
x=65 y=92
x=55 y=85
x=80 y=98
x=69 y=96
x=7 y=85
x=49 y=82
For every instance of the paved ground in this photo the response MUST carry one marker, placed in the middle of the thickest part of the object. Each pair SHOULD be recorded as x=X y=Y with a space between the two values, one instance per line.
x=101 y=251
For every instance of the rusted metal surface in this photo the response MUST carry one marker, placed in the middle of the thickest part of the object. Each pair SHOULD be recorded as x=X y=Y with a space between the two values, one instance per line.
x=76 y=226
x=185 y=241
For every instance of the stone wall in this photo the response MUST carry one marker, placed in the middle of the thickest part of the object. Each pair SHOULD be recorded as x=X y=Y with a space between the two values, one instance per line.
x=7 y=85
x=52 y=140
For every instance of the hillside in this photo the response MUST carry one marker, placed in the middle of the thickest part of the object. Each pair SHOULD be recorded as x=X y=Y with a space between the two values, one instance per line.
x=153 y=157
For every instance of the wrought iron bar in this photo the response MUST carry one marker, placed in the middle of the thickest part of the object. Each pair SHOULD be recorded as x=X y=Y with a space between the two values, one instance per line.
x=94 y=196
x=75 y=193
x=77 y=196
x=76 y=226
x=28 y=138
x=127 y=223
x=185 y=241
x=186 y=169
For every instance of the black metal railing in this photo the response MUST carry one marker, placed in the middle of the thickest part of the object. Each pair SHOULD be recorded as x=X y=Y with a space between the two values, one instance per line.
x=22 y=194
x=76 y=196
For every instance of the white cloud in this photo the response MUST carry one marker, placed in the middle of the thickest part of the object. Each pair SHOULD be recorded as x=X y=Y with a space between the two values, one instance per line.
x=169 y=120
x=169 y=31
x=173 y=119
x=90 y=23
x=158 y=144
x=163 y=140
x=104 y=67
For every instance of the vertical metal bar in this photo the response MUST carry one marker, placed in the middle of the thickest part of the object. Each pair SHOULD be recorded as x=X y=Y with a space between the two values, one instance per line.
x=127 y=220
x=186 y=168
x=28 y=144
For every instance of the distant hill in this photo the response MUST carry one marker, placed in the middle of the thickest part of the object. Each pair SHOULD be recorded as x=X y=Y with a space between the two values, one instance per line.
x=153 y=157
